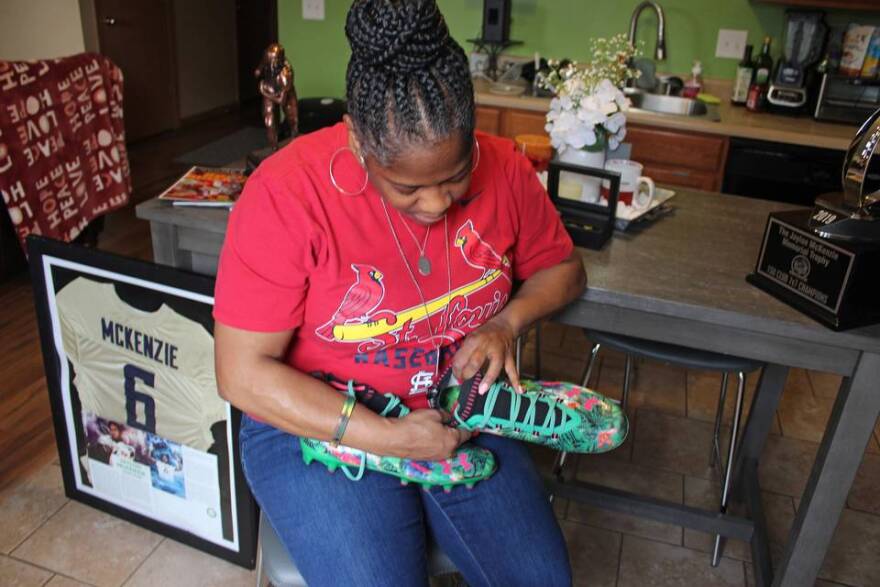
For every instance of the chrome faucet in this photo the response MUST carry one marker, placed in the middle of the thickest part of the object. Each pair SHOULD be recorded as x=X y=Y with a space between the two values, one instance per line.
x=660 y=49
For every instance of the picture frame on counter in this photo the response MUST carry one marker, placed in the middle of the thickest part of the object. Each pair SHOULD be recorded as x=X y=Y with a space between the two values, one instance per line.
x=141 y=432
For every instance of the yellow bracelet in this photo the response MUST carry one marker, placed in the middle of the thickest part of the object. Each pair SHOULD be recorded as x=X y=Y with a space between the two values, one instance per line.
x=344 y=417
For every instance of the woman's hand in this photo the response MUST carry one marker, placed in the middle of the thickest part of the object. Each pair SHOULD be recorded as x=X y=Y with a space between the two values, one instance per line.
x=423 y=435
x=493 y=343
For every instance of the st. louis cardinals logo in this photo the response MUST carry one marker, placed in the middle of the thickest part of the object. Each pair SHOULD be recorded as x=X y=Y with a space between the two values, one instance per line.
x=359 y=302
x=359 y=320
x=476 y=252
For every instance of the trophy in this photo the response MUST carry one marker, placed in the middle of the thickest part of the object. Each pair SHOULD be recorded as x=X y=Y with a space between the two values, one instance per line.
x=275 y=76
x=826 y=261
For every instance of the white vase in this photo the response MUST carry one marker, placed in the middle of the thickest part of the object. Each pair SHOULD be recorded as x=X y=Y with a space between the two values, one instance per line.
x=575 y=186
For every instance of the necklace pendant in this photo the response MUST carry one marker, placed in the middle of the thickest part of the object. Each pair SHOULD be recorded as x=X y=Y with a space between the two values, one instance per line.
x=424 y=266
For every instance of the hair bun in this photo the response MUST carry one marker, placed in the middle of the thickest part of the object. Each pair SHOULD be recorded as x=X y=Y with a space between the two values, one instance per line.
x=400 y=36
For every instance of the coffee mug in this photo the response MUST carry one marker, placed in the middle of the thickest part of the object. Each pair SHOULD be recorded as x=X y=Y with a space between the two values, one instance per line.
x=631 y=182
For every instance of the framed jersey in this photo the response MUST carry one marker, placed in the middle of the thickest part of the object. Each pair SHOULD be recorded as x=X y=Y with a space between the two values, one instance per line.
x=142 y=433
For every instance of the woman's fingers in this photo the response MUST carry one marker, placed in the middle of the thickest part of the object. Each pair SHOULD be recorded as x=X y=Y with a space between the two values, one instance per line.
x=468 y=361
x=496 y=363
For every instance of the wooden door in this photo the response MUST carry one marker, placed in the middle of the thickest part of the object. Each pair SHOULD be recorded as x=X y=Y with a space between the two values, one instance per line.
x=138 y=37
x=257 y=28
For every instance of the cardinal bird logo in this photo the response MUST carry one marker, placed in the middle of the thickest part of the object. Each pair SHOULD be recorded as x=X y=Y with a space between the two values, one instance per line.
x=360 y=301
x=476 y=252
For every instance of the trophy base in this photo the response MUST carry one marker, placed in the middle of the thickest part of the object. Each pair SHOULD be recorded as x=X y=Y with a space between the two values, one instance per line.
x=835 y=283
x=834 y=220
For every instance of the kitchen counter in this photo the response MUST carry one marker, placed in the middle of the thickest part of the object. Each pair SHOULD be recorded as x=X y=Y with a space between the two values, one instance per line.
x=734 y=121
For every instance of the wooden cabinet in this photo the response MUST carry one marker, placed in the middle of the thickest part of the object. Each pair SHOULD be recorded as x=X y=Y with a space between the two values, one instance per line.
x=522 y=122
x=677 y=158
x=685 y=159
x=488 y=120
x=509 y=122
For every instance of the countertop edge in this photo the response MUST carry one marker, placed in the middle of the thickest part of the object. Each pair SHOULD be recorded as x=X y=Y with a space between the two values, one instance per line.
x=694 y=124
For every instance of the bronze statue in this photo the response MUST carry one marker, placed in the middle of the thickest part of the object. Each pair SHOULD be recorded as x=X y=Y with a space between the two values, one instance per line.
x=276 y=86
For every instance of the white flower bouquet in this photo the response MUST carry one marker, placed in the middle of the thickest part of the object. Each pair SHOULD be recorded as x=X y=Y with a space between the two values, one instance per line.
x=588 y=109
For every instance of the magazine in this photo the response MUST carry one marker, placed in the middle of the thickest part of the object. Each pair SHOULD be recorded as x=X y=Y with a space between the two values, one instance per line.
x=206 y=186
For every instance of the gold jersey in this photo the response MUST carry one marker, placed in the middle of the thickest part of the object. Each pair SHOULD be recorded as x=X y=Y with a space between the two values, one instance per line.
x=150 y=370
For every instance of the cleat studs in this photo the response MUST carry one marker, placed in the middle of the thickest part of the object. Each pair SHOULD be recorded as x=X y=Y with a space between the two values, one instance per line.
x=404 y=482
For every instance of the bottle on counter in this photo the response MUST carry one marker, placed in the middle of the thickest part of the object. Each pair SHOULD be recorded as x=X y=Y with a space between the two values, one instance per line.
x=764 y=64
x=694 y=85
x=744 y=73
x=757 y=97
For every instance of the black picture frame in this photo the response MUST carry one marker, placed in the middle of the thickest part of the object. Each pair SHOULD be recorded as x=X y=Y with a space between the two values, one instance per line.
x=589 y=225
x=178 y=499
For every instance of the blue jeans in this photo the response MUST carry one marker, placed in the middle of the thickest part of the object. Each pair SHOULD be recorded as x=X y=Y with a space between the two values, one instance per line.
x=374 y=531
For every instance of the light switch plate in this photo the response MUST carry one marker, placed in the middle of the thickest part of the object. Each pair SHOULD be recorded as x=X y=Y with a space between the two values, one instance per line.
x=731 y=43
x=313 y=9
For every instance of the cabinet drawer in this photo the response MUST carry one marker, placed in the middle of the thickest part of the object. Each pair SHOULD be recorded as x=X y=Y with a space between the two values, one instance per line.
x=680 y=177
x=523 y=122
x=676 y=149
x=488 y=119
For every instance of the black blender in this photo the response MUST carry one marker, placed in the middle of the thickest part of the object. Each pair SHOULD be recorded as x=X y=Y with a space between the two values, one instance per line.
x=795 y=76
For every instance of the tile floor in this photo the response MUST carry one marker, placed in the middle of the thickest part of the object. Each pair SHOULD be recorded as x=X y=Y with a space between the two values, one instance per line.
x=50 y=540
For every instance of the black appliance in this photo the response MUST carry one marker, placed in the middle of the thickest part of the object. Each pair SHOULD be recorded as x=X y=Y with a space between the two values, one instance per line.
x=847 y=99
x=780 y=172
x=794 y=80
x=496 y=21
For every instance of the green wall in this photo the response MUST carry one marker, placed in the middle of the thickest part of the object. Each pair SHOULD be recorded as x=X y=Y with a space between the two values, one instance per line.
x=319 y=50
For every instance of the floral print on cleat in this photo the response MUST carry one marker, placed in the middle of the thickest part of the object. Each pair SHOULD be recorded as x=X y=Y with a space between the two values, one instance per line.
x=556 y=414
x=469 y=464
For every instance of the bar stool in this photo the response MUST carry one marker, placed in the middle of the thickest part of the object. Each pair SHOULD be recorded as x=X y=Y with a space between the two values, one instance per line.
x=275 y=565
x=692 y=359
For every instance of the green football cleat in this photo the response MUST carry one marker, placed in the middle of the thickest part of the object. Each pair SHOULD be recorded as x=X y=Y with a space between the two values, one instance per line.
x=469 y=465
x=556 y=414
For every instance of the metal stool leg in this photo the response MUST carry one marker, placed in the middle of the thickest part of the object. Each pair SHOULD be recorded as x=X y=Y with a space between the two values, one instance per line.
x=558 y=465
x=588 y=370
x=728 y=468
x=715 y=452
x=627 y=380
x=259 y=569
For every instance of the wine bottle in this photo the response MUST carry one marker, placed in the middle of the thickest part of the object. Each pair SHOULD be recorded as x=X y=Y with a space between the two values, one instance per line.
x=744 y=72
x=764 y=64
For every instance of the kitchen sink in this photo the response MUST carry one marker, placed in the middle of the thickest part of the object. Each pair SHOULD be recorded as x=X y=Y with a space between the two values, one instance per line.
x=670 y=105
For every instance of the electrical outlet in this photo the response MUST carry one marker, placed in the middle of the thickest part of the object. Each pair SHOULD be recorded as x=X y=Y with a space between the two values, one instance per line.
x=731 y=43
x=313 y=9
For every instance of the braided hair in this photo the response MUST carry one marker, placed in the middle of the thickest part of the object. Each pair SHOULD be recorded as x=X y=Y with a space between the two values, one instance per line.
x=408 y=81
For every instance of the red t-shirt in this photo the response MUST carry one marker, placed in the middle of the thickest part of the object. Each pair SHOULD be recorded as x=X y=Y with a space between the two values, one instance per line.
x=300 y=255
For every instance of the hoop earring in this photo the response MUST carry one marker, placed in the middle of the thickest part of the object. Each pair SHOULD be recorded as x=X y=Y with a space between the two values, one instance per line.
x=477 y=162
x=333 y=178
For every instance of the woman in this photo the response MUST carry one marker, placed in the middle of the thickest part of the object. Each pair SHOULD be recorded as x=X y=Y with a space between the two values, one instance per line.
x=382 y=250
